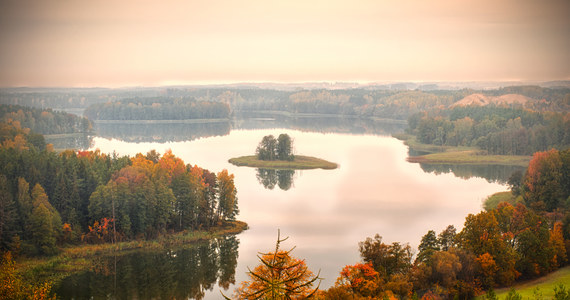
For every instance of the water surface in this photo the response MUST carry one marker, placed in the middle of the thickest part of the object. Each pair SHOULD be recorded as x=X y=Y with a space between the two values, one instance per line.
x=327 y=212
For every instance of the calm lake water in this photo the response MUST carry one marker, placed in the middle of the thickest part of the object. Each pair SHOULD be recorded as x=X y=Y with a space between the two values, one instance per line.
x=325 y=213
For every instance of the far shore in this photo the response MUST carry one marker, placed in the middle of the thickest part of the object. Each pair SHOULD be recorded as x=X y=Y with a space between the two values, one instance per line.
x=185 y=121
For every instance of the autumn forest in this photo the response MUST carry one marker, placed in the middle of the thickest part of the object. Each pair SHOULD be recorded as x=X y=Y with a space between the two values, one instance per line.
x=59 y=204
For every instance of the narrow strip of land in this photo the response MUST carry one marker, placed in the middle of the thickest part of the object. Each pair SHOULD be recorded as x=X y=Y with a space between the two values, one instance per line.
x=471 y=157
x=458 y=155
x=78 y=258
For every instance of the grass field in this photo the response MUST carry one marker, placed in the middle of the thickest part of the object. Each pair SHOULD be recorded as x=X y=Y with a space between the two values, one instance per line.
x=544 y=284
x=471 y=157
x=300 y=162
x=492 y=201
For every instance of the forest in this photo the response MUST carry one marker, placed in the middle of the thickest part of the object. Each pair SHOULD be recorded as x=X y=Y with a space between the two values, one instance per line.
x=390 y=102
x=495 y=248
x=497 y=130
x=48 y=199
x=158 y=109
x=43 y=121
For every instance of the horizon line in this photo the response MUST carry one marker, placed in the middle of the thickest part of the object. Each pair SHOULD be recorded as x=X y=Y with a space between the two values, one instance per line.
x=356 y=83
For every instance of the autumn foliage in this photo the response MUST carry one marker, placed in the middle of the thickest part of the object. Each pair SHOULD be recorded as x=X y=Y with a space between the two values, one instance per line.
x=279 y=276
x=360 y=279
x=13 y=287
x=48 y=199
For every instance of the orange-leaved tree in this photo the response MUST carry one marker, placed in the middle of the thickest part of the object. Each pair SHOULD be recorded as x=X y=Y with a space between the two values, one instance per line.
x=361 y=280
x=279 y=276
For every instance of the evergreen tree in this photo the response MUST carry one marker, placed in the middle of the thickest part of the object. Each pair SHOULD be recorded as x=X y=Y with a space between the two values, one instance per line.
x=45 y=222
x=7 y=214
x=427 y=247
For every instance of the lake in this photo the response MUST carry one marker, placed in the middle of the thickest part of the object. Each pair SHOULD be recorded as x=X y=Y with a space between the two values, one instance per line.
x=325 y=213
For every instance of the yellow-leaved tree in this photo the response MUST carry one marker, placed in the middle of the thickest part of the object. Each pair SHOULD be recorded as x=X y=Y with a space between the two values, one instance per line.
x=279 y=276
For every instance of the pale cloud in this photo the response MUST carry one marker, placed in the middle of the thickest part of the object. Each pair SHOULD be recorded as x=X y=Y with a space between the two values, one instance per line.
x=117 y=43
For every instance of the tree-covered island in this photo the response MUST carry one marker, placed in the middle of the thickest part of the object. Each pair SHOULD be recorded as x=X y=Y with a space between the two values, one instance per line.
x=277 y=153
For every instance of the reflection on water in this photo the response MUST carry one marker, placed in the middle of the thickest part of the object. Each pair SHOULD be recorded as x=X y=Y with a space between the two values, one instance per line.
x=492 y=173
x=70 y=141
x=326 y=214
x=324 y=124
x=138 y=132
x=271 y=177
x=168 y=274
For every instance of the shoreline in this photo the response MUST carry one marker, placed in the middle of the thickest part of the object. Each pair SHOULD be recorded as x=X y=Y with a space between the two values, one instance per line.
x=300 y=162
x=73 y=259
x=458 y=155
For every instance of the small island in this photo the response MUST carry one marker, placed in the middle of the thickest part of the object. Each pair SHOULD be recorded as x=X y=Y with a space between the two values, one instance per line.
x=277 y=153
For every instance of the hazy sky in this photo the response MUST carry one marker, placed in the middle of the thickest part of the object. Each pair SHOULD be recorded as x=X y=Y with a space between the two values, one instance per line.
x=134 y=42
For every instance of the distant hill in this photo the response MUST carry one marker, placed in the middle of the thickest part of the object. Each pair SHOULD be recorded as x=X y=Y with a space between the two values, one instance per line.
x=483 y=100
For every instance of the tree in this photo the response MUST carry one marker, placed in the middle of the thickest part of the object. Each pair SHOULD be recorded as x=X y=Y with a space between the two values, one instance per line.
x=284 y=147
x=556 y=242
x=7 y=213
x=515 y=182
x=360 y=279
x=386 y=259
x=184 y=188
x=227 y=195
x=481 y=235
x=446 y=238
x=45 y=222
x=279 y=276
x=267 y=148
x=543 y=181
x=428 y=246
x=445 y=266
x=24 y=204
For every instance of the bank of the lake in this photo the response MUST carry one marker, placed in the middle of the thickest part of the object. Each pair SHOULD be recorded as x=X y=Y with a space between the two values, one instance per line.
x=544 y=284
x=74 y=259
x=494 y=200
x=300 y=162
x=458 y=155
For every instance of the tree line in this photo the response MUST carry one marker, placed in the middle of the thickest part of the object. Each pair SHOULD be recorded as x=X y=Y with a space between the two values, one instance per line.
x=43 y=121
x=158 y=108
x=48 y=199
x=390 y=102
x=495 y=248
x=497 y=130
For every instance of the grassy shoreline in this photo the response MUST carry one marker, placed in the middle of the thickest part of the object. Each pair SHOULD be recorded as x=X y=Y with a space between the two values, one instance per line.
x=474 y=157
x=494 y=200
x=545 y=284
x=299 y=163
x=74 y=259
x=458 y=155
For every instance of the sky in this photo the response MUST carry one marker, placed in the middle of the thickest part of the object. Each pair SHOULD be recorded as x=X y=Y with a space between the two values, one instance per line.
x=104 y=43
